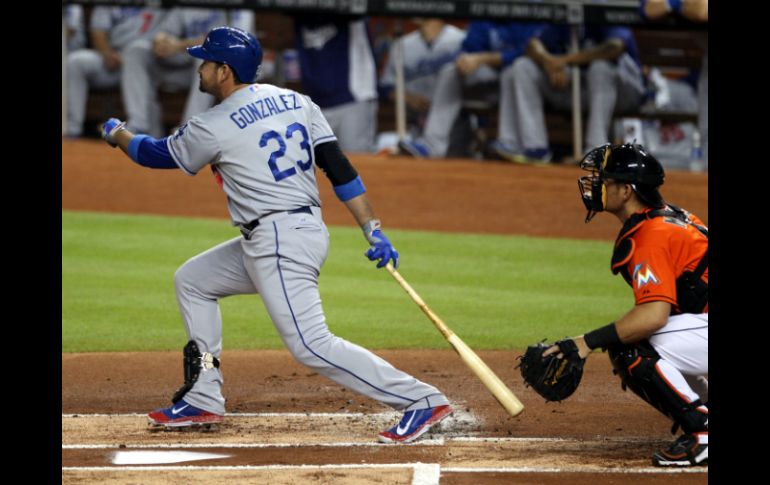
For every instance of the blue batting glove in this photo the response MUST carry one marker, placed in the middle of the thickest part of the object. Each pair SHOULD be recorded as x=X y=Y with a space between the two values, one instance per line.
x=381 y=249
x=110 y=128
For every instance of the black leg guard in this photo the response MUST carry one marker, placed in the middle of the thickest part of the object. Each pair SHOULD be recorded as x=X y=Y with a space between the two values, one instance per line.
x=194 y=361
x=636 y=367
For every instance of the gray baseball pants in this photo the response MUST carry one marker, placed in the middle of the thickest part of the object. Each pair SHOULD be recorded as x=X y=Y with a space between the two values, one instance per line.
x=281 y=261
x=85 y=68
x=446 y=103
x=606 y=87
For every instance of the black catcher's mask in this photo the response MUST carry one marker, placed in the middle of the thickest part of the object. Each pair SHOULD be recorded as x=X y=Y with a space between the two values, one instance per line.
x=628 y=163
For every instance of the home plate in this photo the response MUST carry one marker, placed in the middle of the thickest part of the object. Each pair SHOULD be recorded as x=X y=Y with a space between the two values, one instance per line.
x=160 y=457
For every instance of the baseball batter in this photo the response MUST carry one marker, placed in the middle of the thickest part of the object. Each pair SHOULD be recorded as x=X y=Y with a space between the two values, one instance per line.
x=262 y=142
x=659 y=348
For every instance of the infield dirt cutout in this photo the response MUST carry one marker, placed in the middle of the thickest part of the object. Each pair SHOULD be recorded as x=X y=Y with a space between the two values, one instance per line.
x=289 y=425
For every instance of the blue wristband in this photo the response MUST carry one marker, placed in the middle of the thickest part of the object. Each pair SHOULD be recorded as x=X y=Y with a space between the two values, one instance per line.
x=349 y=190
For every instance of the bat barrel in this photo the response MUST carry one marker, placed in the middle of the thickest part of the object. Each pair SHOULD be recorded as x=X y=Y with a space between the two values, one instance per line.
x=499 y=390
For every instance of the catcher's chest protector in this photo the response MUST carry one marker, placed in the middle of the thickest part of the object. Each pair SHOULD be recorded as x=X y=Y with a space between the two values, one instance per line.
x=692 y=290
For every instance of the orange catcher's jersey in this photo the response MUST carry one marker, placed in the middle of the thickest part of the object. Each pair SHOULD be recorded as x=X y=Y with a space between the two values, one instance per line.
x=663 y=248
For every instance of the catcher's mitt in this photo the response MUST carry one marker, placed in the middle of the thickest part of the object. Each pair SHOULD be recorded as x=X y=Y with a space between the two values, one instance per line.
x=551 y=377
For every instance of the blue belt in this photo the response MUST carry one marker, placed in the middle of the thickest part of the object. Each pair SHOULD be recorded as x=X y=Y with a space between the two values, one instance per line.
x=247 y=228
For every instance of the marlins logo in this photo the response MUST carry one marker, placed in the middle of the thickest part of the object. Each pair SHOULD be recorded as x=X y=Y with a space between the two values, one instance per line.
x=643 y=274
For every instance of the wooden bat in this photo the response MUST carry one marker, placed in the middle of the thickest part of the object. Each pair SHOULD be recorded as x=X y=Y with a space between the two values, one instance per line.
x=504 y=396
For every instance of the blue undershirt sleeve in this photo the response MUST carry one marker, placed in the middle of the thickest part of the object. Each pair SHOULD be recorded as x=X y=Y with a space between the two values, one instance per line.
x=149 y=152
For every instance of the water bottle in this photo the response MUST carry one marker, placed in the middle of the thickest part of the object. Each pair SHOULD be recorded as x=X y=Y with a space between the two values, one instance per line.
x=696 y=154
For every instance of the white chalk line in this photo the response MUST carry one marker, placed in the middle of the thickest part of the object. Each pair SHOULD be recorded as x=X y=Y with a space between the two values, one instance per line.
x=439 y=441
x=429 y=469
x=424 y=473
x=654 y=470
x=428 y=442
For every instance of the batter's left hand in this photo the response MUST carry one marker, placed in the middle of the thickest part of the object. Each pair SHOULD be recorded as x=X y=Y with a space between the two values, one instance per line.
x=110 y=128
x=381 y=249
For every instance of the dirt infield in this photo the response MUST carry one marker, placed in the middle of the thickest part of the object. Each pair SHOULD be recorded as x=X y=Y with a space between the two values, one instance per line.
x=289 y=425
x=286 y=415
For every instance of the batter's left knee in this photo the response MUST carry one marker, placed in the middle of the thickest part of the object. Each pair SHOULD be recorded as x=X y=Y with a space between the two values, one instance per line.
x=183 y=278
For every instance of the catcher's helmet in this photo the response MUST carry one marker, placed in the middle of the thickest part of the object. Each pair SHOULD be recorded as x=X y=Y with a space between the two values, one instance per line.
x=235 y=47
x=624 y=163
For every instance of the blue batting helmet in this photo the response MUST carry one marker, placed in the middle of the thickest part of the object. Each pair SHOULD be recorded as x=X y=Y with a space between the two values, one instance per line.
x=235 y=47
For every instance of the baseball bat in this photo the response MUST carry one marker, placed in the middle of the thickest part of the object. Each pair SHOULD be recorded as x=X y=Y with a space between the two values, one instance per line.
x=504 y=396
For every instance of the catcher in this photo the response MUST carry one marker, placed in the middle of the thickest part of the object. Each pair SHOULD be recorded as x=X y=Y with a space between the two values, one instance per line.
x=659 y=349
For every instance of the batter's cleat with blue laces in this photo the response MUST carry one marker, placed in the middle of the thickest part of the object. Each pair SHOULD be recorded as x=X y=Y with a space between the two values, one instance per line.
x=183 y=414
x=685 y=451
x=414 y=424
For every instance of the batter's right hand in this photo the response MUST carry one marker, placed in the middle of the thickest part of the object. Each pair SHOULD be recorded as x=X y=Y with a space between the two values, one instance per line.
x=110 y=128
x=381 y=249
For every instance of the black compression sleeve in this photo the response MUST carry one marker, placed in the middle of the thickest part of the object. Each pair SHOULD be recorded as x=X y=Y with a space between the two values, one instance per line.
x=334 y=163
x=605 y=337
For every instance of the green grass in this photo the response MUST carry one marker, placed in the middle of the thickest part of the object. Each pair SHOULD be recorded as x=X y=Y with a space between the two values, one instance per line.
x=496 y=292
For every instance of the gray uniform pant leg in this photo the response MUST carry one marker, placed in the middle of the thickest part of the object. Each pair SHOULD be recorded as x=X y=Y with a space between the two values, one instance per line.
x=355 y=125
x=530 y=89
x=703 y=106
x=445 y=105
x=85 y=67
x=200 y=282
x=611 y=86
x=139 y=87
x=283 y=258
x=508 y=129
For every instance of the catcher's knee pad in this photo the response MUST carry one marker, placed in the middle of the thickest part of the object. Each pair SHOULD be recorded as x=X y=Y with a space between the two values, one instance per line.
x=194 y=361
x=636 y=367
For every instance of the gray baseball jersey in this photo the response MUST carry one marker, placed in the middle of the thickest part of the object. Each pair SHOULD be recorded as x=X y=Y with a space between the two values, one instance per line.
x=422 y=61
x=260 y=140
x=76 y=36
x=185 y=23
x=126 y=24
x=285 y=127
